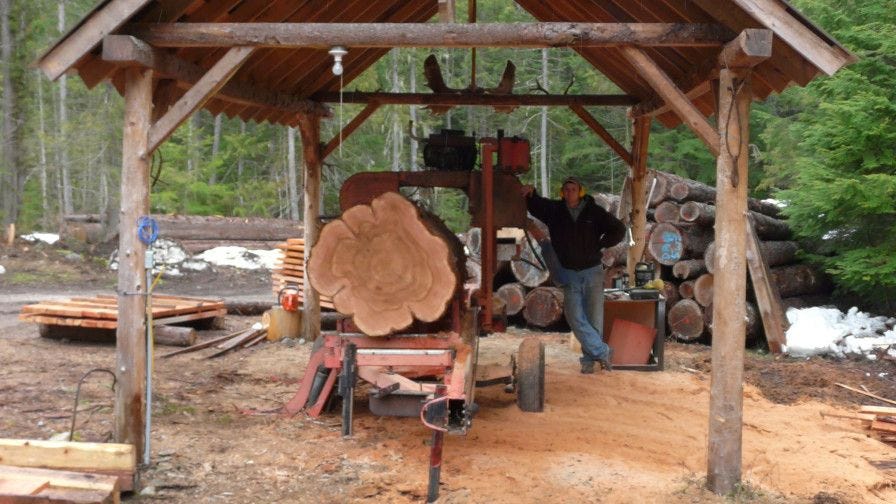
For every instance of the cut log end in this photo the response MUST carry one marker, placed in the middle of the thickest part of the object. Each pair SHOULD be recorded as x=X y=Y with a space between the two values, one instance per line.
x=686 y=320
x=387 y=264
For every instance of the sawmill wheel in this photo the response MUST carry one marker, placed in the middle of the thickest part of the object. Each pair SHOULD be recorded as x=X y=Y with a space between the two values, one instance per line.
x=529 y=375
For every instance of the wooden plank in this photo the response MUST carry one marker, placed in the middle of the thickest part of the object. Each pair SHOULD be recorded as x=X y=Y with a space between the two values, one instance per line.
x=724 y=459
x=87 y=35
x=774 y=16
x=774 y=321
x=199 y=93
x=879 y=425
x=64 y=479
x=238 y=341
x=864 y=393
x=674 y=97
x=20 y=487
x=602 y=132
x=204 y=344
x=878 y=410
x=865 y=417
x=390 y=35
x=68 y=455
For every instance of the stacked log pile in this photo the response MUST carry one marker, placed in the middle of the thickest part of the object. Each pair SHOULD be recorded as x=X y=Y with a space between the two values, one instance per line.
x=680 y=244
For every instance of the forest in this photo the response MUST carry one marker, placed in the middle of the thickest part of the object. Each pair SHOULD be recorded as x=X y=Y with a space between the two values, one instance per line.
x=827 y=151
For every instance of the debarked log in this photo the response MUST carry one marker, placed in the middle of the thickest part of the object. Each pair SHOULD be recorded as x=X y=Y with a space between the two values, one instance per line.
x=543 y=306
x=670 y=243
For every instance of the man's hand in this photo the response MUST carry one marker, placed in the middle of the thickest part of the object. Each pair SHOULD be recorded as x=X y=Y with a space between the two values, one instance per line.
x=526 y=190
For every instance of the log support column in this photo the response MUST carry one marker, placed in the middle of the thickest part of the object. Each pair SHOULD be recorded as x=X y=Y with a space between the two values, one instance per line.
x=639 y=189
x=130 y=366
x=729 y=305
x=309 y=129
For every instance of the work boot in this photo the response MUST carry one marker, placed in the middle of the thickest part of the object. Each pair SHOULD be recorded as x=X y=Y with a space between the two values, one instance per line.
x=607 y=362
x=588 y=367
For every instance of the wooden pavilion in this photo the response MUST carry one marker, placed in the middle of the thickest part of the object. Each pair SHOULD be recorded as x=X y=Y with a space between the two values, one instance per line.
x=679 y=61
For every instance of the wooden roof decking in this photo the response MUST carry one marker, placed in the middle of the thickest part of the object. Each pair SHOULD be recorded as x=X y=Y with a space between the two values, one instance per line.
x=801 y=51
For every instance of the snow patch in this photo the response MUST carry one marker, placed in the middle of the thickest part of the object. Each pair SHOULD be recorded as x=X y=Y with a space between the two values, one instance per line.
x=48 y=238
x=828 y=331
x=240 y=257
x=168 y=252
x=2 y=269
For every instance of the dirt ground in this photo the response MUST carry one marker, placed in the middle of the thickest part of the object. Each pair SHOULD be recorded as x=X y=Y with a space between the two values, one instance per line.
x=611 y=437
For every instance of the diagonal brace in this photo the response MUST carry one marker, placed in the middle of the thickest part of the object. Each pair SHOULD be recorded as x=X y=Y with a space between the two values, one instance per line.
x=602 y=133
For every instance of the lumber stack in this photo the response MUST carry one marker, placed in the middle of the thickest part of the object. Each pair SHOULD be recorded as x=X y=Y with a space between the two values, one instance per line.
x=64 y=471
x=289 y=271
x=880 y=421
x=101 y=312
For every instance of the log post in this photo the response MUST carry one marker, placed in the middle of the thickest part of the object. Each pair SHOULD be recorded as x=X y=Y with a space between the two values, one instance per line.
x=729 y=311
x=130 y=347
x=309 y=129
x=639 y=189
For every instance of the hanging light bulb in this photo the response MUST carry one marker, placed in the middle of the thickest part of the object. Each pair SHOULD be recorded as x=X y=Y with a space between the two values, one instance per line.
x=338 y=52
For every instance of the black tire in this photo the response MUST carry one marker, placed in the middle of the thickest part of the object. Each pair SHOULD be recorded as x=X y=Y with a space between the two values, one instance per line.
x=530 y=375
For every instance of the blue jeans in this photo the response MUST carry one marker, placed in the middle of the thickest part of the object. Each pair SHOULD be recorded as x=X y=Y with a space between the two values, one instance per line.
x=583 y=303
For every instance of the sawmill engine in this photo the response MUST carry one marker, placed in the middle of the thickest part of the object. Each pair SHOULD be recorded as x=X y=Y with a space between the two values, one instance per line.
x=451 y=150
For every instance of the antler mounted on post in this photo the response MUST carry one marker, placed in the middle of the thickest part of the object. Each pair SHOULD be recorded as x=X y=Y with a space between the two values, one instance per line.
x=387 y=264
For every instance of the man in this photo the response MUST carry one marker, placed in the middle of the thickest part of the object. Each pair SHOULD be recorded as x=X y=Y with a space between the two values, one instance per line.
x=579 y=230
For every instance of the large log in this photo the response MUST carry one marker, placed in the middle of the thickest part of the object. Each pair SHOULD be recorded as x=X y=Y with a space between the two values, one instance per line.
x=543 y=306
x=667 y=211
x=387 y=264
x=691 y=190
x=798 y=280
x=162 y=334
x=670 y=292
x=753 y=321
x=689 y=268
x=194 y=227
x=703 y=289
x=686 y=289
x=609 y=202
x=514 y=297
x=774 y=252
x=528 y=269
x=768 y=228
x=686 y=320
x=174 y=335
x=671 y=243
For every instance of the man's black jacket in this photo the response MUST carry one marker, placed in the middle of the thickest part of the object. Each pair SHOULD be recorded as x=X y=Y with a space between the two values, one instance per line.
x=578 y=243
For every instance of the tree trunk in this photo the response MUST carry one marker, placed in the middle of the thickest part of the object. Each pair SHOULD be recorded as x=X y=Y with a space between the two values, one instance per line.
x=543 y=306
x=10 y=193
x=753 y=321
x=689 y=268
x=671 y=243
x=769 y=228
x=703 y=287
x=387 y=264
x=216 y=147
x=240 y=166
x=196 y=228
x=686 y=320
x=699 y=213
x=543 y=155
x=514 y=297
x=412 y=78
x=64 y=165
x=174 y=335
x=667 y=211
x=291 y=173
x=397 y=133
x=45 y=203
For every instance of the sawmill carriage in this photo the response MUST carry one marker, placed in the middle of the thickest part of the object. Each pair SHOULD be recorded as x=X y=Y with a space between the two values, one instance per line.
x=400 y=274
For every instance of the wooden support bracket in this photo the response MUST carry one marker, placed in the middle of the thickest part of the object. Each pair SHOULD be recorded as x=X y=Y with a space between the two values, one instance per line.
x=665 y=87
x=602 y=133
x=349 y=128
x=201 y=92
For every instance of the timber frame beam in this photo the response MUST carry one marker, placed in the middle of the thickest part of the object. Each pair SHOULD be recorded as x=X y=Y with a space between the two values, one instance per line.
x=389 y=35
x=602 y=132
x=474 y=98
x=129 y=51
